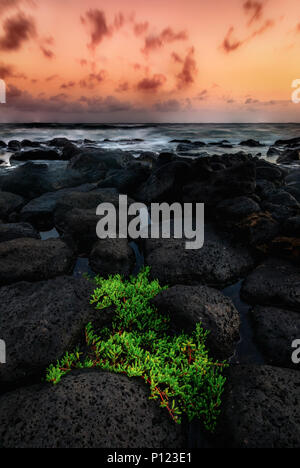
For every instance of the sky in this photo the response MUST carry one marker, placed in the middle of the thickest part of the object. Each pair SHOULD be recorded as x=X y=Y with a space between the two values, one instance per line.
x=149 y=60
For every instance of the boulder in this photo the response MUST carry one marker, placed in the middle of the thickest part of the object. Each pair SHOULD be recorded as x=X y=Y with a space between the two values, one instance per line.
x=218 y=263
x=276 y=283
x=91 y=409
x=164 y=184
x=289 y=157
x=33 y=260
x=99 y=160
x=189 y=305
x=40 y=322
x=235 y=209
x=126 y=180
x=9 y=202
x=36 y=155
x=251 y=143
x=235 y=181
x=261 y=408
x=111 y=257
x=13 y=231
x=274 y=331
x=292 y=227
x=40 y=211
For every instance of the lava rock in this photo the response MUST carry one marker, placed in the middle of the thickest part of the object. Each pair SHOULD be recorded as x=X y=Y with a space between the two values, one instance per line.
x=235 y=209
x=13 y=231
x=36 y=155
x=34 y=260
x=274 y=283
x=261 y=408
x=90 y=409
x=189 y=305
x=111 y=257
x=40 y=322
x=275 y=330
x=9 y=202
x=231 y=182
x=40 y=211
x=218 y=263
x=251 y=143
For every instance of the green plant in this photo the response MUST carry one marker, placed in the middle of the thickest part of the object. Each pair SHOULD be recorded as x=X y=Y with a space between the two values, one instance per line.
x=176 y=367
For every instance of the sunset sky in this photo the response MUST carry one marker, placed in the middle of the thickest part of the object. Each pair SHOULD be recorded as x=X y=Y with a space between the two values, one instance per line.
x=149 y=60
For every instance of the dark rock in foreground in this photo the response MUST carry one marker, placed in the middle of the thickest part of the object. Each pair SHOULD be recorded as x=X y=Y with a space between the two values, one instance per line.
x=275 y=331
x=219 y=262
x=34 y=260
x=40 y=211
x=274 y=283
x=36 y=155
x=9 y=202
x=111 y=257
x=189 y=305
x=13 y=231
x=261 y=408
x=40 y=322
x=87 y=410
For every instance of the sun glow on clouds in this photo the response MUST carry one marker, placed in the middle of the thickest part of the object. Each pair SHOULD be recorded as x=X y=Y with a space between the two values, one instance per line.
x=164 y=60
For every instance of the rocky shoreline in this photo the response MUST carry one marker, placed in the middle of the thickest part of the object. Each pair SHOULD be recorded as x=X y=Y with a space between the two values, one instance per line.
x=252 y=234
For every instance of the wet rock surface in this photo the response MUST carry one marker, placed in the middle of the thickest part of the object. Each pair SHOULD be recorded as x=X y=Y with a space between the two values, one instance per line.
x=13 y=231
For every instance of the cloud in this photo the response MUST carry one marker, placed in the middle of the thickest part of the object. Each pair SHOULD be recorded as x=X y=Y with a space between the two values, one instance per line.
x=176 y=57
x=99 y=29
x=167 y=36
x=140 y=28
x=93 y=79
x=51 y=77
x=6 y=71
x=68 y=85
x=17 y=30
x=189 y=70
x=98 y=26
x=171 y=105
x=123 y=87
x=202 y=95
x=59 y=104
x=152 y=84
x=230 y=44
x=47 y=53
x=255 y=9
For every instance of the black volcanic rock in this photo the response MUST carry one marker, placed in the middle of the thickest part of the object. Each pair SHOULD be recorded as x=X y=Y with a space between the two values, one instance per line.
x=40 y=322
x=274 y=283
x=235 y=181
x=17 y=231
x=9 y=202
x=34 y=260
x=90 y=409
x=40 y=211
x=274 y=331
x=251 y=143
x=189 y=305
x=261 y=408
x=111 y=257
x=36 y=155
x=218 y=263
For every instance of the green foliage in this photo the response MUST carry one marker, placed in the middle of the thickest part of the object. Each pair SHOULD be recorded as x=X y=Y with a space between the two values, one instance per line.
x=177 y=368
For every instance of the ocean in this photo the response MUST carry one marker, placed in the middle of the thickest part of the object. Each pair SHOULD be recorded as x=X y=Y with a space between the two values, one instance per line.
x=139 y=138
